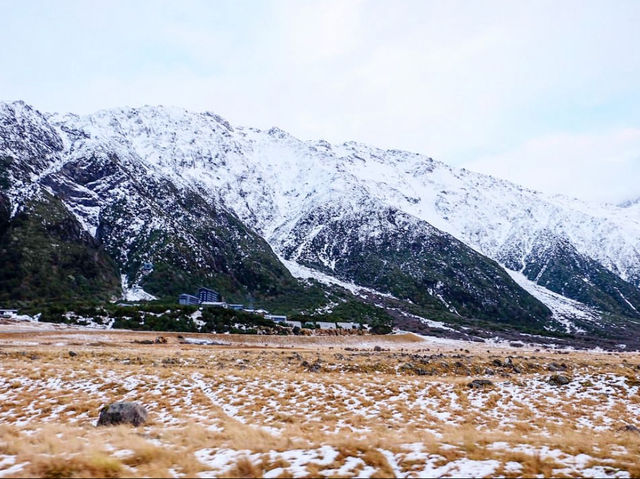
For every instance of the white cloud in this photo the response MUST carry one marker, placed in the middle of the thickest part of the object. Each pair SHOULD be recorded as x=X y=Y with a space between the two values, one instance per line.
x=602 y=167
x=455 y=79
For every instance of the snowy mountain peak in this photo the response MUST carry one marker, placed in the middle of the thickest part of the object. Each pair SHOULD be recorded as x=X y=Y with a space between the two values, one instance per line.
x=288 y=190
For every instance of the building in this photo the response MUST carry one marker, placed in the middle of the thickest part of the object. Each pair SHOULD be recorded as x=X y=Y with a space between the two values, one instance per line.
x=188 y=299
x=237 y=307
x=216 y=304
x=348 y=325
x=275 y=318
x=326 y=325
x=207 y=295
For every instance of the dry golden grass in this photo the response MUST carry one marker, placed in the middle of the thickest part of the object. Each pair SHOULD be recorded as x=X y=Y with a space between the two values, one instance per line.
x=255 y=401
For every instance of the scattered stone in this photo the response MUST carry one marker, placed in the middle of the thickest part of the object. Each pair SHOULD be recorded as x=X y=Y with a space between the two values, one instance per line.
x=144 y=341
x=629 y=428
x=315 y=367
x=497 y=363
x=73 y=354
x=161 y=340
x=480 y=384
x=122 y=413
x=559 y=380
x=414 y=369
x=555 y=367
x=170 y=361
x=312 y=368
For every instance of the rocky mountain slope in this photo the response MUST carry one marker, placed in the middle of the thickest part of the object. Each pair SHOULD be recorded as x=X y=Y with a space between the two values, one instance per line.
x=203 y=201
x=174 y=239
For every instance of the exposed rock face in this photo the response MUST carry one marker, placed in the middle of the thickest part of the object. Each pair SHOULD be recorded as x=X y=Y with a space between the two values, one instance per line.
x=122 y=413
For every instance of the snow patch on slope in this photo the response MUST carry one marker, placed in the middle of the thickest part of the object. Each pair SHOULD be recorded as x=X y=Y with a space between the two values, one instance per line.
x=565 y=310
x=302 y=272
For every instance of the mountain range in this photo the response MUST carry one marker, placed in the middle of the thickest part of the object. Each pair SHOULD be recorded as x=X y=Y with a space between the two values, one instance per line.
x=154 y=201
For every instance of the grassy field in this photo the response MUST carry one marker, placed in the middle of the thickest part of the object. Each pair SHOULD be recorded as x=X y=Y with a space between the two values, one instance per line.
x=366 y=406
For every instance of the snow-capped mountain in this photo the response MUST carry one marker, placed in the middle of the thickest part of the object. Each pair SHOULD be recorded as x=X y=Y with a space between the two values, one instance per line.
x=395 y=222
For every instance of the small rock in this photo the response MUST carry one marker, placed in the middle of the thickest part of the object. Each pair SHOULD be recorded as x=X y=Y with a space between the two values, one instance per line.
x=315 y=367
x=73 y=354
x=122 y=413
x=161 y=340
x=497 y=363
x=377 y=349
x=480 y=384
x=629 y=428
x=170 y=361
x=559 y=380
x=555 y=367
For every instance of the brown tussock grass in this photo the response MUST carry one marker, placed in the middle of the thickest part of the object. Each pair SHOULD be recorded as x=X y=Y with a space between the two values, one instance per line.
x=93 y=465
x=245 y=468
x=272 y=390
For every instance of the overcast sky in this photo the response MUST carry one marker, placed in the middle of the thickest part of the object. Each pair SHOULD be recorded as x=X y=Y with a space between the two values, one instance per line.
x=546 y=94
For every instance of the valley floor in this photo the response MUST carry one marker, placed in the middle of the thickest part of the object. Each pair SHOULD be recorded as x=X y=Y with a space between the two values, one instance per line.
x=366 y=406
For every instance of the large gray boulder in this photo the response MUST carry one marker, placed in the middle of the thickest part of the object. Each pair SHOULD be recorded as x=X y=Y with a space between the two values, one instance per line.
x=559 y=380
x=122 y=413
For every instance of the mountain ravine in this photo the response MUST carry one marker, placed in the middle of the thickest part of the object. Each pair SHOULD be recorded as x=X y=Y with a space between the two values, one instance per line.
x=165 y=200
